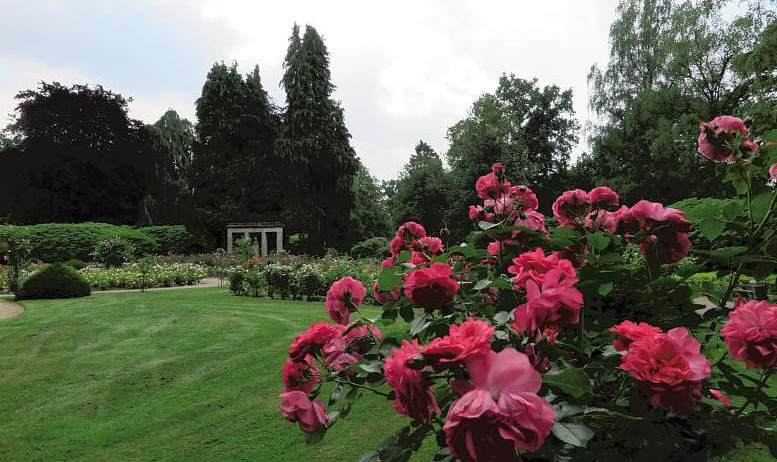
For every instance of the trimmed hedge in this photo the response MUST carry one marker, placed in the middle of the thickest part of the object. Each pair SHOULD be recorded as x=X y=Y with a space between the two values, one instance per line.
x=171 y=239
x=54 y=281
x=376 y=247
x=60 y=242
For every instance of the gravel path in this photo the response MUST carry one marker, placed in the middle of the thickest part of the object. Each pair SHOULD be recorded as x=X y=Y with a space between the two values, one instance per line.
x=9 y=309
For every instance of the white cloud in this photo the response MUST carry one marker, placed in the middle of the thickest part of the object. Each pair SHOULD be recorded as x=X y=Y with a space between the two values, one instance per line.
x=404 y=70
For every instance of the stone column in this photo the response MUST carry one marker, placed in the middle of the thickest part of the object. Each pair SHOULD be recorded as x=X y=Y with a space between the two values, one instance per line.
x=264 y=244
x=229 y=241
x=279 y=240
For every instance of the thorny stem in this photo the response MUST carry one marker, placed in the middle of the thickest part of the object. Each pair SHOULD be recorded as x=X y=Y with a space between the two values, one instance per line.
x=364 y=387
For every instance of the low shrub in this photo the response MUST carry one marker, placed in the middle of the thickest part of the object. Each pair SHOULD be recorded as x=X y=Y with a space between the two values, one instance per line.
x=54 y=281
x=113 y=251
x=139 y=275
x=237 y=281
x=278 y=278
x=255 y=282
x=76 y=264
x=308 y=282
x=376 y=247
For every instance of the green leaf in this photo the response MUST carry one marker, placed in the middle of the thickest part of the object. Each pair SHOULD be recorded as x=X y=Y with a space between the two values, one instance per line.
x=711 y=228
x=486 y=225
x=407 y=313
x=419 y=324
x=605 y=289
x=570 y=380
x=388 y=278
x=564 y=233
x=503 y=317
x=760 y=205
x=482 y=284
x=574 y=433
x=598 y=242
x=728 y=252
x=502 y=283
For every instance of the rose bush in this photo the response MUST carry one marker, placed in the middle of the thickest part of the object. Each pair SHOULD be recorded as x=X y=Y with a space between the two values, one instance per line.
x=538 y=342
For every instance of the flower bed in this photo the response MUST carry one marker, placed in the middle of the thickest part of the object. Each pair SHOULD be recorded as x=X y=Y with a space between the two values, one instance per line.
x=132 y=275
x=528 y=343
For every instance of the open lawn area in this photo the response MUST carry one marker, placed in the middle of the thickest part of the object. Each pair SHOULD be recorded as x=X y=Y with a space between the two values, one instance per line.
x=188 y=374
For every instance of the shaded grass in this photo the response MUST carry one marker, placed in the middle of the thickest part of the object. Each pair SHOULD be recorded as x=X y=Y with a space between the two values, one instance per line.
x=168 y=375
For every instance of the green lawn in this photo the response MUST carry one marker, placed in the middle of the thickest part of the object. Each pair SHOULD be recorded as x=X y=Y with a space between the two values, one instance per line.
x=168 y=375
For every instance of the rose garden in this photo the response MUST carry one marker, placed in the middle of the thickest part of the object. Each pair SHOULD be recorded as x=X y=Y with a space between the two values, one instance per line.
x=284 y=271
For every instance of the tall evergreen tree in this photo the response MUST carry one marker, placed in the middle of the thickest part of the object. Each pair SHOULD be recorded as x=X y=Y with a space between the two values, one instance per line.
x=421 y=190
x=316 y=143
x=370 y=214
x=236 y=173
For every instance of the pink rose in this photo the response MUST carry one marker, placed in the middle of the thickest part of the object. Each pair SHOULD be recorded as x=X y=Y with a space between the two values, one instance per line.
x=502 y=414
x=669 y=368
x=433 y=245
x=300 y=375
x=464 y=342
x=396 y=245
x=554 y=304
x=773 y=171
x=628 y=332
x=534 y=265
x=531 y=219
x=488 y=186
x=347 y=349
x=716 y=136
x=524 y=197
x=312 y=339
x=431 y=287
x=571 y=205
x=603 y=196
x=412 y=397
x=410 y=231
x=497 y=168
x=344 y=296
x=381 y=297
x=751 y=334
x=602 y=220
x=388 y=262
x=297 y=407
x=667 y=226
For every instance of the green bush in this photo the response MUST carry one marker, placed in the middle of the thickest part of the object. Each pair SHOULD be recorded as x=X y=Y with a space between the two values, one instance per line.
x=54 y=281
x=144 y=273
x=76 y=264
x=171 y=239
x=59 y=242
x=113 y=251
x=278 y=279
x=237 y=281
x=376 y=247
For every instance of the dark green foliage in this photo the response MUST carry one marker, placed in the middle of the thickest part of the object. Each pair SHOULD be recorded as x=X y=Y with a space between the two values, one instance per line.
x=59 y=242
x=171 y=239
x=237 y=280
x=113 y=251
x=311 y=284
x=236 y=174
x=278 y=280
x=370 y=213
x=316 y=144
x=79 y=157
x=421 y=192
x=76 y=264
x=376 y=247
x=671 y=66
x=170 y=194
x=54 y=281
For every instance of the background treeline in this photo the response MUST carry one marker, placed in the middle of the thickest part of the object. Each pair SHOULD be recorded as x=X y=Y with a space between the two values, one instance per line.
x=72 y=154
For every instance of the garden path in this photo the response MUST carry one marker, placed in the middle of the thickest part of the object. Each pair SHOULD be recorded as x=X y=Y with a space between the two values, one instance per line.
x=9 y=309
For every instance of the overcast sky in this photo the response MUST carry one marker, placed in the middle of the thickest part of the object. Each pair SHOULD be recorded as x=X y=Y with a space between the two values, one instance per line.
x=404 y=70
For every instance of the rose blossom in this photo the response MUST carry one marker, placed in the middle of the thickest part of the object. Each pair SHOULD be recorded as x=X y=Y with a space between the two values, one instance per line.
x=751 y=334
x=524 y=197
x=603 y=196
x=602 y=220
x=716 y=134
x=388 y=262
x=464 y=342
x=343 y=297
x=433 y=245
x=497 y=168
x=571 y=205
x=501 y=413
x=488 y=186
x=531 y=219
x=297 y=407
x=413 y=397
x=773 y=171
x=534 y=265
x=312 y=339
x=667 y=226
x=669 y=368
x=720 y=396
x=554 y=304
x=431 y=287
x=629 y=331
x=300 y=375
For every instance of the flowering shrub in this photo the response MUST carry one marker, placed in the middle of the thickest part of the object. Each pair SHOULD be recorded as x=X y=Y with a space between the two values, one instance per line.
x=558 y=344
x=133 y=276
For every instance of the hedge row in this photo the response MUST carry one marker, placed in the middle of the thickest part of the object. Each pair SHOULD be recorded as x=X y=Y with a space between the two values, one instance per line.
x=59 y=242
